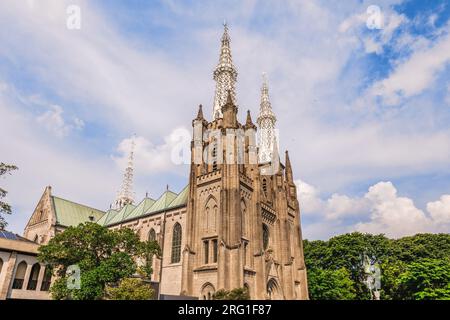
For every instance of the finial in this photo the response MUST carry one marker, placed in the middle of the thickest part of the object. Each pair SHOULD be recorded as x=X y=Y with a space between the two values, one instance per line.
x=200 y=112
x=146 y=194
x=249 y=122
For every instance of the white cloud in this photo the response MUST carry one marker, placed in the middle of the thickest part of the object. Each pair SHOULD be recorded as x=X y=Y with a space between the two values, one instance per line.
x=415 y=75
x=54 y=122
x=342 y=206
x=380 y=210
x=308 y=197
x=440 y=210
x=392 y=215
x=170 y=156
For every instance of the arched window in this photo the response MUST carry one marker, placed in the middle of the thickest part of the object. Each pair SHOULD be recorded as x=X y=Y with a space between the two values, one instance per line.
x=45 y=286
x=266 y=236
x=152 y=235
x=207 y=291
x=272 y=289
x=34 y=275
x=210 y=215
x=244 y=218
x=1 y=265
x=176 y=243
x=20 y=275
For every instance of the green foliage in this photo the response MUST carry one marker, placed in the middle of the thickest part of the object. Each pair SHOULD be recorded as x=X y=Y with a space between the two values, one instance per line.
x=4 y=207
x=103 y=256
x=346 y=251
x=131 y=289
x=328 y=284
x=413 y=267
x=426 y=279
x=235 y=294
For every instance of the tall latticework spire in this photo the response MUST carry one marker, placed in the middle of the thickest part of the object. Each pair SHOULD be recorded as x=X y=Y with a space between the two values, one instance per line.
x=266 y=124
x=125 y=195
x=225 y=76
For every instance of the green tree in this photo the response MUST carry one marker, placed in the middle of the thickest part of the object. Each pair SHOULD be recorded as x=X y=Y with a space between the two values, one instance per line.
x=104 y=257
x=391 y=269
x=347 y=251
x=235 y=294
x=427 y=245
x=4 y=207
x=330 y=285
x=130 y=289
x=425 y=279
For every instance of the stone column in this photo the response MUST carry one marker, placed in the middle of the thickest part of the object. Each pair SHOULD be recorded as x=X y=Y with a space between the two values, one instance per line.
x=40 y=278
x=8 y=276
x=27 y=277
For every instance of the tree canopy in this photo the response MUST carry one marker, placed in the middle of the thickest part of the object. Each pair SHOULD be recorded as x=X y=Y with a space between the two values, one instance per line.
x=415 y=267
x=104 y=257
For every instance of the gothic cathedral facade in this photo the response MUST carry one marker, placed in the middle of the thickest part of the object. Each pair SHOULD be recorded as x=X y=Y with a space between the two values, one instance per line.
x=237 y=222
x=243 y=218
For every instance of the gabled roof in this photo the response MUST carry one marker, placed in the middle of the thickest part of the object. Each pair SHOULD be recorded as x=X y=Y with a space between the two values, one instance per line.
x=163 y=201
x=141 y=208
x=69 y=213
x=181 y=198
x=146 y=207
x=122 y=214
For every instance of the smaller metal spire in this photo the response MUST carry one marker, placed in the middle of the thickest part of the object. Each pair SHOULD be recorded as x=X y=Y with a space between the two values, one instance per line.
x=125 y=195
x=266 y=123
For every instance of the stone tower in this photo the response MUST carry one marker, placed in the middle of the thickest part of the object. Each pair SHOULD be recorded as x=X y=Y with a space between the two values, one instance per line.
x=243 y=219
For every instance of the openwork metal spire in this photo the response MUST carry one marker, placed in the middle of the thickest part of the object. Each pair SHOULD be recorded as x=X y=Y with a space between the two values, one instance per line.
x=125 y=195
x=266 y=123
x=225 y=76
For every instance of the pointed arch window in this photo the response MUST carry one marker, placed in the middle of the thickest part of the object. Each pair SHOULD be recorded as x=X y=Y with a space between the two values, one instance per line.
x=46 y=281
x=20 y=275
x=210 y=215
x=266 y=236
x=34 y=275
x=244 y=218
x=176 y=243
x=152 y=235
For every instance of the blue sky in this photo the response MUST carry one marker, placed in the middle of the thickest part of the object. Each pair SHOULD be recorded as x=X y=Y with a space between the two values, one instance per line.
x=364 y=112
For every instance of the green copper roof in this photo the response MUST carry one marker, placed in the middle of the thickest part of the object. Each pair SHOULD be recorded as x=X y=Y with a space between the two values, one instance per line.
x=141 y=208
x=69 y=213
x=122 y=214
x=147 y=206
x=181 y=198
x=163 y=201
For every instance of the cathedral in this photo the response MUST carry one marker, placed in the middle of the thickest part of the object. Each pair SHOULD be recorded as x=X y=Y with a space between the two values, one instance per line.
x=236 y=224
